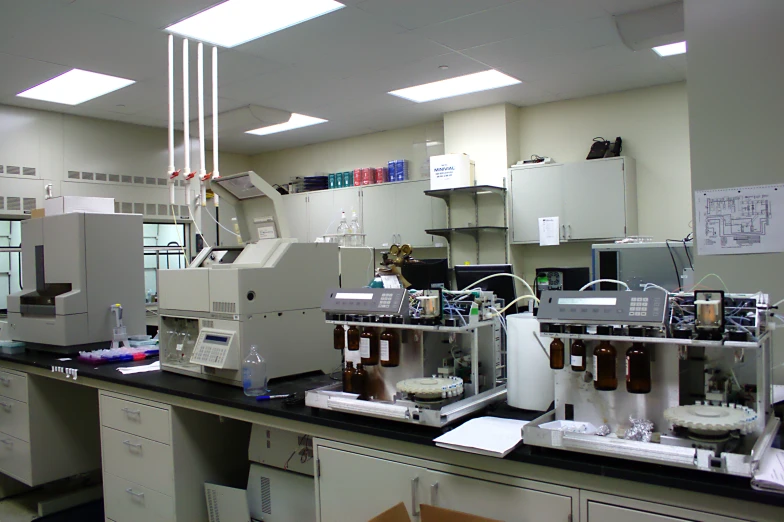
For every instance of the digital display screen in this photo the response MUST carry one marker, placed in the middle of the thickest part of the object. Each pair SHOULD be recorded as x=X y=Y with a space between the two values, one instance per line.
x=364 y=297
x=600 y=301
x=216 y=339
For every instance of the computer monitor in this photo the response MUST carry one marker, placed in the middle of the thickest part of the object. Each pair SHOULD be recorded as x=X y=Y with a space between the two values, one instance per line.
x=426 y=274
x=502 y=287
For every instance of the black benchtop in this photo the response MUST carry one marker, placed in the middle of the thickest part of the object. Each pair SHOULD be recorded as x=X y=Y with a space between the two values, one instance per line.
x=205 y=391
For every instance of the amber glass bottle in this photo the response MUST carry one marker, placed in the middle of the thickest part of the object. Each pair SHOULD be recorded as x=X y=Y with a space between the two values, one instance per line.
x=389 y=348
x=577 y=351
x=339 y=337
x=557 y=354
x=353 y=338
x=638 y=365
x=348 y=376
x=368 y=346
x=359 y=382
x=604 y=375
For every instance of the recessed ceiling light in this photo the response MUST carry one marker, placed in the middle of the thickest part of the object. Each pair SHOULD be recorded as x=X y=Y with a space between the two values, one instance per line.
x=235 y=22
x=481 y=81
x=75 y=87
x=295 y=122
x=670 y=49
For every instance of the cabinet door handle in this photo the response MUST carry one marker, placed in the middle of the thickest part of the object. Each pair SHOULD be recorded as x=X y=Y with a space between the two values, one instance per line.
x=131 y=444
x=414 y=503
x=6 y=406
x=563 y=231
x=135 y=494
x=434 y=494
x=7 y=442
x=570 y=231
x=129 y=411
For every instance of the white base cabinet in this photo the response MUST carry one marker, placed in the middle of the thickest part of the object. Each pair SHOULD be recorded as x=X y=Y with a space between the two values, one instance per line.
x=356 y=484
x=594 y=200
x=599 y=507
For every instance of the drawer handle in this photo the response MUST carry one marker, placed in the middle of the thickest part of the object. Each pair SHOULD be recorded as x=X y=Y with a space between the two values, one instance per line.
x=129 y=411
x=135 y=494
x=7 y=442
x=5 y=381
x=414 y=503
x=131 y=444
x=6 y=406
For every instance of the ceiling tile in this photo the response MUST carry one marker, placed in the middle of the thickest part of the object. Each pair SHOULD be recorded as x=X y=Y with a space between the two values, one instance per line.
x=417 y=13
x=629 y=6
x=507 y=21
x=154 y=14
x=19 y=74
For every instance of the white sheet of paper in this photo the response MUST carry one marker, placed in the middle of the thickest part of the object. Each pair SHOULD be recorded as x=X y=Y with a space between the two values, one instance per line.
x=740 y=220
x=770 y=475
x=548 y=231
x=491 y=436
x=153 y=367
x=390 y=281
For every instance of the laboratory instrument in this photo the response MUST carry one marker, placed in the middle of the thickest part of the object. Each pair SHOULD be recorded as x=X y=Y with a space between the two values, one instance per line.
x=75 y=267
x=424 y=356
x=664 y=264
x=529 y=379
x=698 y=378
x=265 y=292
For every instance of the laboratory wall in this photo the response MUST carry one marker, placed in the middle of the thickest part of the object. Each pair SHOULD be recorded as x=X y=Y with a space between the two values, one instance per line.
x=654 y=125
x=736 y=112
x=73 y=152
x=415 y=144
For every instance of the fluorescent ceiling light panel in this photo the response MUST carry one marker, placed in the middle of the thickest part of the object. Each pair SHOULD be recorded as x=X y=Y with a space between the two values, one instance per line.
x=75 y=87
x=481 y=81
x=295 y=122
x=670 y=49
x=235 y=22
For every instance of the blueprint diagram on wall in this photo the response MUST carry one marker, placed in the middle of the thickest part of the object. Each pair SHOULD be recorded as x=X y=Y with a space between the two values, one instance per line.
x=741 y=220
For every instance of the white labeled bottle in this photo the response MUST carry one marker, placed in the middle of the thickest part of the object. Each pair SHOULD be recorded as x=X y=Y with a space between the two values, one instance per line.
x=254 y=374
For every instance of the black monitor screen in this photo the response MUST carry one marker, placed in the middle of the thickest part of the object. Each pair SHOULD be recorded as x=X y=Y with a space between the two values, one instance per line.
x=426 y=274
x=503 y=287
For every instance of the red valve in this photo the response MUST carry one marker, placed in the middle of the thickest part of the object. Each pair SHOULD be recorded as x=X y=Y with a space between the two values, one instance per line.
x=207 y=176
x=190 y=176
x=174 y=174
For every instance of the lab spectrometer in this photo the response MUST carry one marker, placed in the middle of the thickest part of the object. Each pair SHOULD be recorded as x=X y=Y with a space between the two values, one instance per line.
x=265 y=293
x=682 y=379
x=75 y=267
x=425 y=357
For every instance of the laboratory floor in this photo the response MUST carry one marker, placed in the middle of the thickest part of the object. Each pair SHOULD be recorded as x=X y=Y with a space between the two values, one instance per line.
x=24 y=508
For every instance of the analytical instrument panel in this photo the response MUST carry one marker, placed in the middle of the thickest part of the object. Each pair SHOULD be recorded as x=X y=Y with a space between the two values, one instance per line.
x=632 y=308
x=213 y=349
x=385 y=301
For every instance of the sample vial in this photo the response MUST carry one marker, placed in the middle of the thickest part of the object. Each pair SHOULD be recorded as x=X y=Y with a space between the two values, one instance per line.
x=389 y=348
x=353 y=338
x=348 y=376
x=339 y=337
x=638 y=365
x=577 y=351
x=359 y=382
x=369 y=346
x=604 y=375
x=557 y=354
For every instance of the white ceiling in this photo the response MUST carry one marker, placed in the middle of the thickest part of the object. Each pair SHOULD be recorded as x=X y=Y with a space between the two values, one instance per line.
x=339 y=66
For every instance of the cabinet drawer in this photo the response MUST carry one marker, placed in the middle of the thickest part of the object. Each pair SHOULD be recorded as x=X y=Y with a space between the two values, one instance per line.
x=136 y=418
x=125 y=501
x=139 y=460
x=15 y=418
x=15 y=459
x=13 y=386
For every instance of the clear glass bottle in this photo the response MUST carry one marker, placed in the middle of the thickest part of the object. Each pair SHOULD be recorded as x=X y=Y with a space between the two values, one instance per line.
x=638 y=365
x=557 y=354
x=339 y=337
x=254 y=374
x=353 y=337
x=577 y=351
x=369 y=346
x=354 y=228
x=342 y=229
x=604 y=360
x=389 y=348
x=359 y=382
x=348 y=376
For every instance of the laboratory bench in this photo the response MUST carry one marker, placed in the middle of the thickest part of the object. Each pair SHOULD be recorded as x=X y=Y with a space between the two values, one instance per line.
x=673 y=493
